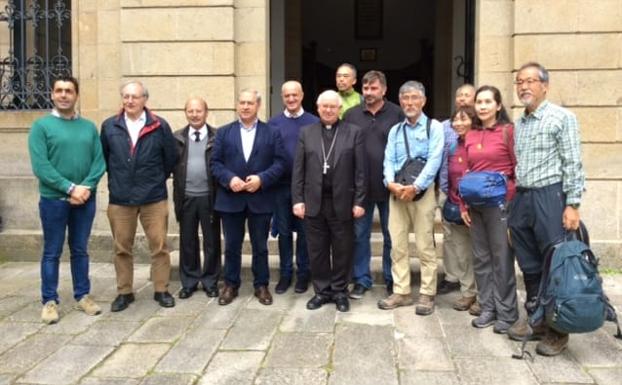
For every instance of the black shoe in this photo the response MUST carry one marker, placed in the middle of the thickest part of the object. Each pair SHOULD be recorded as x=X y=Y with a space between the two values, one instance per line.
x=343 y=305
x=283 y=285
x=445 y=287
x=212 y=291
x=302 y=284
x=121 y=302
x=358 y=291
x=186 y=292
x=165 y=299
x=317 y=301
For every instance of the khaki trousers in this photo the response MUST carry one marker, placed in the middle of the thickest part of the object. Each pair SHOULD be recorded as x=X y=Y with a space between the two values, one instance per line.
x=404 y=216
x=458 y=257
x=154 y=220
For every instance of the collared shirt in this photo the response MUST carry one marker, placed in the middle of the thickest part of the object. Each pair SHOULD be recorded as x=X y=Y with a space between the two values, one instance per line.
x=202 y=133
x=376 y=129
x=248 y=138
x=295 y=115
x=548 y=150
x=449 y=146
x=348 y=100
x=420 y=146
x=57 y=114
x=134 y=126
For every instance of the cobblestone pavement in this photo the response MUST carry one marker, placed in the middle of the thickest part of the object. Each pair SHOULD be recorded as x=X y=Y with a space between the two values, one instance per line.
x=200 y=342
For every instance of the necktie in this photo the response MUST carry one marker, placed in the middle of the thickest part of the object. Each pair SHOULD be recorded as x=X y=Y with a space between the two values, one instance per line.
x=197 y=136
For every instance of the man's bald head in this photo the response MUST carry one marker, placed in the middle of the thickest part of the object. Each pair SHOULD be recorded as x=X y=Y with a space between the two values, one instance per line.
x=291 y=92
x=196 y=112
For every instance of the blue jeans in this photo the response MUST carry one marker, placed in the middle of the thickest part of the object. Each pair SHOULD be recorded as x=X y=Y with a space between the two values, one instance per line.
x=362 y=248
x=56 y=216
x=286 y=224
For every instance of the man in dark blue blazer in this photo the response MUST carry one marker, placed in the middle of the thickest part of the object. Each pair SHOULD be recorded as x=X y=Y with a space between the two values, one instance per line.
x=247 y=161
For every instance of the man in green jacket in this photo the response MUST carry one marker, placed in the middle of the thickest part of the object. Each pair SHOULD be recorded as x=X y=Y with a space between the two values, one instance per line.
x=66 y=157
x=345 y=79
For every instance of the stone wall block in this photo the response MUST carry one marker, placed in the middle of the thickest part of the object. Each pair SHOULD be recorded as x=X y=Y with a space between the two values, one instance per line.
x=598 y=206
x=542 y=16
x=601 y=15
x=602 y=161
x=251 y=59
x=583 y=51
x=250 y=24
x=599 y=124
x=499 y=16
x=109 y=63
x=172 y=92
x=87 y=27
x=166 y=59
x=173 y=4
x=109 y=29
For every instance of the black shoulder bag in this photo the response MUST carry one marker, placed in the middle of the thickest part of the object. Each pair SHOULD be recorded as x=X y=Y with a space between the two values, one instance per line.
x=411 y=169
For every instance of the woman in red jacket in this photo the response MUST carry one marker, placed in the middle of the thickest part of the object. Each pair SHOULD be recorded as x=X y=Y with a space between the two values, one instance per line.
x=490 y=147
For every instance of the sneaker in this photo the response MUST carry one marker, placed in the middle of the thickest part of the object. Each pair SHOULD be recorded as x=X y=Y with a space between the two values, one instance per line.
x=395 y=300
x=425 y=305
x=521 y=329
x=464 y=303
x=49 y=313
x=502 y=327
x=87 y=305
x=358 y=291
x=552 y=344
x=475 y=309
x=485 y=319
x=446 y=287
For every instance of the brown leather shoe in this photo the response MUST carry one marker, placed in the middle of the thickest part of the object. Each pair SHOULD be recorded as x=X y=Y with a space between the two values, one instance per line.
x=475 y=309
x=264 y=296
x=552 y=344
x=464 y=303
x=425 y=305
x=227 y=295
x=395 y=300
x=521 y=329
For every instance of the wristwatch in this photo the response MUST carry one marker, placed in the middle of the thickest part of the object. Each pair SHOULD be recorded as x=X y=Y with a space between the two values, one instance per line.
x=575 y=205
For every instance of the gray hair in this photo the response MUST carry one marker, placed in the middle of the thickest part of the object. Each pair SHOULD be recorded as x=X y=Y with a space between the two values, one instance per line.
x=466 y=85
x=543 y=74
x=412 y=85
x=328 y=95
x=134 y=81
x=251 y=91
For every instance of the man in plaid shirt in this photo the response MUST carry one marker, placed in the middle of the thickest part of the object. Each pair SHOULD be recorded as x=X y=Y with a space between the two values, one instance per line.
x=550 y=181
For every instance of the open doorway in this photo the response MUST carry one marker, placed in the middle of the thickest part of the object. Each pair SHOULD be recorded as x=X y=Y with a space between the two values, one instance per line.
x=428 y=41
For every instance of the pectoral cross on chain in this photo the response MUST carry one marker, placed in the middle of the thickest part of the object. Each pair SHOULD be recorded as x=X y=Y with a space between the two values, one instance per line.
x=325 y=168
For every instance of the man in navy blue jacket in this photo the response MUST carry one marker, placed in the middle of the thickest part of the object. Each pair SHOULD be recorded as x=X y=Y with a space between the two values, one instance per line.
x=247 y=161
x=289 y=123
x=140 y=154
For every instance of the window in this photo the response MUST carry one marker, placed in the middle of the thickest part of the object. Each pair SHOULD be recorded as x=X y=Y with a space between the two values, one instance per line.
x=35 y=47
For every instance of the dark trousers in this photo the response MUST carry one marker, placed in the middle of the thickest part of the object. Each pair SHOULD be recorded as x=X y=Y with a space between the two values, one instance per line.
x=536 y=223
x=199 y=211
x=493 y=262
x=330 y=242
x=258 y=228
x=286 y=224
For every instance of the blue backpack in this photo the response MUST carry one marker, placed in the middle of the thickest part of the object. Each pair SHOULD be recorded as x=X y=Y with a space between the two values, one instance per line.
x=571 y=298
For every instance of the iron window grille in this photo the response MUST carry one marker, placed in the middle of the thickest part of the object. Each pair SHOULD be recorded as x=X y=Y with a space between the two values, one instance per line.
x=35 y=48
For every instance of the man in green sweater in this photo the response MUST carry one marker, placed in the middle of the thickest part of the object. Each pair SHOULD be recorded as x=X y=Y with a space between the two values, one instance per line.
x=66 y=157
x=345 y=79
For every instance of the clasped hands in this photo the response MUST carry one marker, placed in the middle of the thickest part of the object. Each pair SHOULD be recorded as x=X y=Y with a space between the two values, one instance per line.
x=79 y=195
x=299 y=210
x=401 y=192
x=251 y=184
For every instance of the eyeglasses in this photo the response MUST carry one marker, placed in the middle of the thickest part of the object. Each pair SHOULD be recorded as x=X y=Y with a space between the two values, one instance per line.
x=132 y=97
x=520 y=82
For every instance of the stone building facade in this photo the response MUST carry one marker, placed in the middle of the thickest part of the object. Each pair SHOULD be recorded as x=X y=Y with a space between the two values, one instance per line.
x=213 y=48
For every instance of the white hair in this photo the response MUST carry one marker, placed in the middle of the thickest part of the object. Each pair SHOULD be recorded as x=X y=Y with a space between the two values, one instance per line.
x=329 y=95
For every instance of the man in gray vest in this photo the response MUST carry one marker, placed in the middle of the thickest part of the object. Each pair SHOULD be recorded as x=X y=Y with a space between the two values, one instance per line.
x=193 y=195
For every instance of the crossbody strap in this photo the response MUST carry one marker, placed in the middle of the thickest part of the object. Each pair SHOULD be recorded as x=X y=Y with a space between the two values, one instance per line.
x=427 y=132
